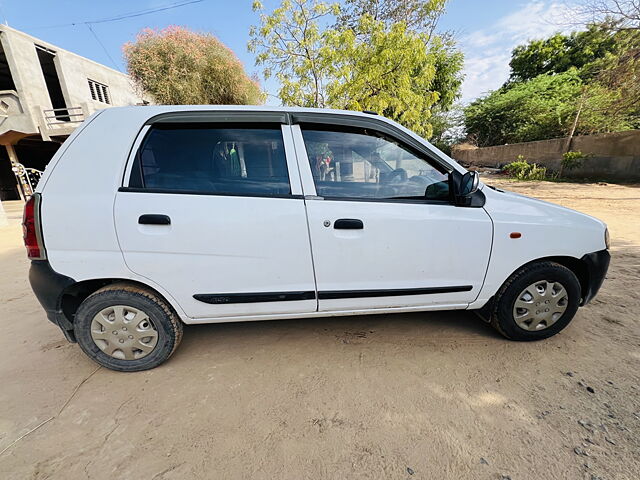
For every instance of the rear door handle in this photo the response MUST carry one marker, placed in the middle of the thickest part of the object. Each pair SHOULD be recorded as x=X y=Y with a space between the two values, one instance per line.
x=154 y=219
x=348 y=224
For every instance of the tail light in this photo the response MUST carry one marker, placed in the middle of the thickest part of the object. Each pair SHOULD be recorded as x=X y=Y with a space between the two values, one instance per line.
x=32 y=229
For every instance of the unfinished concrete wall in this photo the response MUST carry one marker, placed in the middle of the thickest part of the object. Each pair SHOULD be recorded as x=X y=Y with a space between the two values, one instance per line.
x=614 y=156
x=19 y=115
x=43 y=76
x=24 y=110
x=74 y=72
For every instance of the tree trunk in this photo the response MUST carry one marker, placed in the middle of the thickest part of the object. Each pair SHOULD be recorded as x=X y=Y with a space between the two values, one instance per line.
x=567 y=145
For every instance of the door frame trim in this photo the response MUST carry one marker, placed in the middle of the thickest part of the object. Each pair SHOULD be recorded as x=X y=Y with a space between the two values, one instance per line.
x=259 y=297
x=226 y=298
x=393 y=292
x=169 y=191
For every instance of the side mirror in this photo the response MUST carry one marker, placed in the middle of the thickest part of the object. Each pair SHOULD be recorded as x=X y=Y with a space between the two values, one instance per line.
x=462 y=187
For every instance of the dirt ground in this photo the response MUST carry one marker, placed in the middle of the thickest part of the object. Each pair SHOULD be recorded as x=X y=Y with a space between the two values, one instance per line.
x=406 y=396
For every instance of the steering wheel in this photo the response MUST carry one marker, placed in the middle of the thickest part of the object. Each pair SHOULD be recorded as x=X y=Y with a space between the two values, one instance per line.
x=400 y=173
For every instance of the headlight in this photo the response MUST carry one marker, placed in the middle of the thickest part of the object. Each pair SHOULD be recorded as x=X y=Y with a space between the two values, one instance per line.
x=607 y=241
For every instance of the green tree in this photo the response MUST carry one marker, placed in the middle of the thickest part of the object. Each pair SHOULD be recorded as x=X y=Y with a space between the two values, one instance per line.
x=392 y=73
x=375 y=64
x=448 y=128
x=288 y=44
x=545 y=107
x=621 y=76
x=418 y=15
x=583 y=83
x=619 y=72
x=448 y=78
x=178 y=66
x=559 y=53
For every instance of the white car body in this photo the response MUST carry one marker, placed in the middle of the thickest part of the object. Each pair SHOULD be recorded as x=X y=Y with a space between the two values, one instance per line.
x=441 y=255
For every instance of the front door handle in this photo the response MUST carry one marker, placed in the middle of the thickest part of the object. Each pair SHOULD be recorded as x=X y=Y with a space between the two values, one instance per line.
x=154 y=219
x=348 y=224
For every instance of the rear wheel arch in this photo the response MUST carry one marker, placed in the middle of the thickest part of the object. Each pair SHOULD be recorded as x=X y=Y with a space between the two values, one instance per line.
x=127 y=327
x=76 y=293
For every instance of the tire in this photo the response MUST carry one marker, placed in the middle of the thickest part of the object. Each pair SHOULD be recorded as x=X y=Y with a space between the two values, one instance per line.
x=129 y=303
x=545 y=277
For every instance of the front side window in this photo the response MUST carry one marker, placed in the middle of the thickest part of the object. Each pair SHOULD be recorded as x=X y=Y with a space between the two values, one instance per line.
x=215 y=159
x=365 y=164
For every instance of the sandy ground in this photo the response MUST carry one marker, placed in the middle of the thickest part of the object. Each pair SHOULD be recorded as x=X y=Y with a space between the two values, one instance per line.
x=411 y=396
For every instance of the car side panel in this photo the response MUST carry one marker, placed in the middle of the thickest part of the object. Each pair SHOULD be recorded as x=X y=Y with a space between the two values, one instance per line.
x=546 y=230
x=220 y=245
x=402 y=246
x=404 y=253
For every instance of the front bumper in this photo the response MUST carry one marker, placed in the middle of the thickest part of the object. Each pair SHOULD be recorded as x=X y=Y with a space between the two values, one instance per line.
x=48 y=286
x=597 y=265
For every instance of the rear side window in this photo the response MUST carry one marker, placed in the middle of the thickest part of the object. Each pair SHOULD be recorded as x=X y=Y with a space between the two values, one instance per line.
x=212 y=158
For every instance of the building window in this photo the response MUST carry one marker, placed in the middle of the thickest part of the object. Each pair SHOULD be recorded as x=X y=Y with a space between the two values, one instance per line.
x=99 y=92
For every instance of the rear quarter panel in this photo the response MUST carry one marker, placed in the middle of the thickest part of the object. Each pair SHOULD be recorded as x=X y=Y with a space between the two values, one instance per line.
x=78 y=194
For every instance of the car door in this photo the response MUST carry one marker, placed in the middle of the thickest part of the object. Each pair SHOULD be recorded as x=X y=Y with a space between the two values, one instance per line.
x=212 y=211
x=383 y=231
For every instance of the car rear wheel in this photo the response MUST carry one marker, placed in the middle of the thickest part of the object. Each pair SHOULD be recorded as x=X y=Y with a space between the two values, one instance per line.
x=536 y=302
x=127 y=328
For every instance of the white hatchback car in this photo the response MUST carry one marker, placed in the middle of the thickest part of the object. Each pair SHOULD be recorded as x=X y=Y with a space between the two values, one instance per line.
x=151 y=217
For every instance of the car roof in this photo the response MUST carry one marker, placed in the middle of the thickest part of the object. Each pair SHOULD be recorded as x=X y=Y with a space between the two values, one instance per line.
x=159 y=109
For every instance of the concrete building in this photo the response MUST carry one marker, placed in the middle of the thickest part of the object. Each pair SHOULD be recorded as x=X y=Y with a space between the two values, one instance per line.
x=45 y=93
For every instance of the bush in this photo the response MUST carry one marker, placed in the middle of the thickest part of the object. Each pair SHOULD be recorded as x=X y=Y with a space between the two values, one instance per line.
x=571 y=160
x=179 y=67
x=523 y=170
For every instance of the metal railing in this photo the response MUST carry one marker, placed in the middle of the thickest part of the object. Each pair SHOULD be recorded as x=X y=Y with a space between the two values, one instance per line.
x=28 y=179
x=63 y=116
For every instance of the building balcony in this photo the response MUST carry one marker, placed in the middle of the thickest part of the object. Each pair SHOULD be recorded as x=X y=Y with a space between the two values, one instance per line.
x=56 y=122
x=15 y=121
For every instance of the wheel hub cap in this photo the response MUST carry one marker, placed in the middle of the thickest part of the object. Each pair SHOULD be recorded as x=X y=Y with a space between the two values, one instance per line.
x=123 y=332
x=540 y=305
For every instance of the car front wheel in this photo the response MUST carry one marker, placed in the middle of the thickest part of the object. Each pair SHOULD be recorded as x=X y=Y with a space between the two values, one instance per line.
x=536 y=302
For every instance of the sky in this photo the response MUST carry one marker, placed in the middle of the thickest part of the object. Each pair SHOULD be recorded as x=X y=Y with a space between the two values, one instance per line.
x=486 y=30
